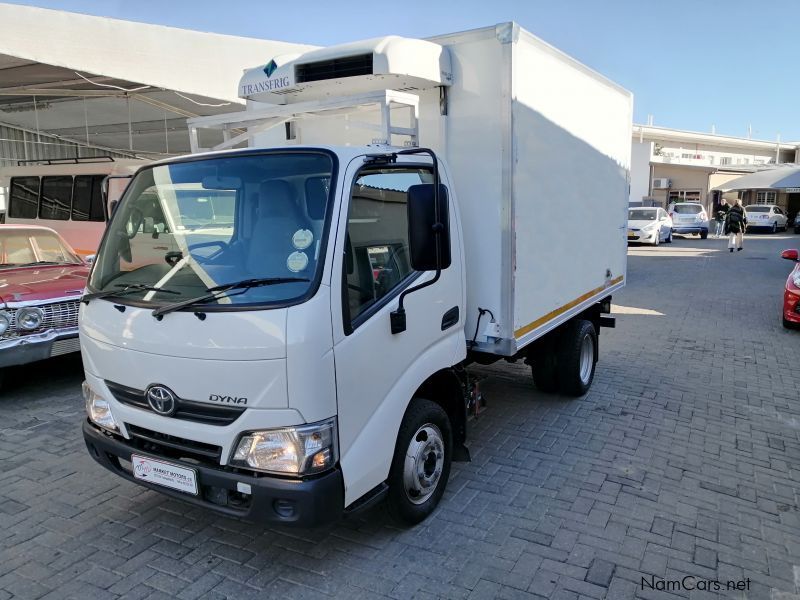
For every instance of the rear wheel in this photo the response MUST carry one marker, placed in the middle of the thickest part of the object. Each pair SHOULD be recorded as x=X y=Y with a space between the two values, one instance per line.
x=421 y=462
x=577 y=356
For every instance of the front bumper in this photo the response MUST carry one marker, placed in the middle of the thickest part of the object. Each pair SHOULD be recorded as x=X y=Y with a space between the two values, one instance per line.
x=38 y=346
x=314 y=501
x=640 y=236
x=791 y=305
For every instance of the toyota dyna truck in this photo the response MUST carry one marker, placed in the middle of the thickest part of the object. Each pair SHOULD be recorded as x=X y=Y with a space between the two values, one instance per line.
x=400 y=210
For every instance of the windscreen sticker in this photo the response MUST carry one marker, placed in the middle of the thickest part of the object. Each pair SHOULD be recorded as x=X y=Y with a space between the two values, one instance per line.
x=302 y=239
x=297 y=262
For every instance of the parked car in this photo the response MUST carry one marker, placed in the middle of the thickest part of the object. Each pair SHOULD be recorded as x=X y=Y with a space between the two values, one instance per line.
x=649 y=225
x=797 y=222
x=689 y=217
x=791 y=293
x=41 y=282
x=766 y=216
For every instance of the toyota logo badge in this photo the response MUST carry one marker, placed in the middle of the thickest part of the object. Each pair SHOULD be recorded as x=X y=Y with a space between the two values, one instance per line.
x=161 y=399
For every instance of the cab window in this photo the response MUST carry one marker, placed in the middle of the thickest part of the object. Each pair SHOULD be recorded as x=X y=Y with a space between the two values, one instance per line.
x=377 y=260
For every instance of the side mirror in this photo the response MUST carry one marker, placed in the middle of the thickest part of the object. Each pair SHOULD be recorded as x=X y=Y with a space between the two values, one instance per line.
x=428 y=240
x=790 y=255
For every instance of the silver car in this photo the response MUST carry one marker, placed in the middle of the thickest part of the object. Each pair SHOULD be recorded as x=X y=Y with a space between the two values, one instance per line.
x=766 y=216
x=649 y=225
x=689 y=217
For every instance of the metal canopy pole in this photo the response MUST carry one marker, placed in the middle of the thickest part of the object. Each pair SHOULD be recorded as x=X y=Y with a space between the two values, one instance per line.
x=130 y=129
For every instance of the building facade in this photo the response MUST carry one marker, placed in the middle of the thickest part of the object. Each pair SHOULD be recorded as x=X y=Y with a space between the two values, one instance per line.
x=670 y=165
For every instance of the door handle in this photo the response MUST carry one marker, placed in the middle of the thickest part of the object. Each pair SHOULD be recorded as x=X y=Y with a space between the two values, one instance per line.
x=450 y=318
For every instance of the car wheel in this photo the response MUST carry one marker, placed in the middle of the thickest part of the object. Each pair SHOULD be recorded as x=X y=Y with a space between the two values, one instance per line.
x=703 y=235
x=657 y=239
x=774 y=227
x=577 y=357
x=421 y=462
x=669 y=238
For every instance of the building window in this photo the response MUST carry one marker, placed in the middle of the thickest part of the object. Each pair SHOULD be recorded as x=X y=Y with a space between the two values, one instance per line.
x=765 y=197
x=725 y=160
x=684 y=196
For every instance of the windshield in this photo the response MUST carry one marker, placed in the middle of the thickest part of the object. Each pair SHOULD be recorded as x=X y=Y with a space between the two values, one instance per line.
x=641 y=214
x=192 y=226
x=687 y=209
x=757 y=209
x=19 y=247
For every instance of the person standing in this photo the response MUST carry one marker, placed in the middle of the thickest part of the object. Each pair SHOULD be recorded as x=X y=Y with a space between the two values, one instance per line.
x=722 y=212
x=735 y=225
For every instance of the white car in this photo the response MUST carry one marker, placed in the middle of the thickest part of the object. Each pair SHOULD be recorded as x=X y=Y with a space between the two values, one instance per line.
x=689 y=217
x=766 y=216
x=649 y=225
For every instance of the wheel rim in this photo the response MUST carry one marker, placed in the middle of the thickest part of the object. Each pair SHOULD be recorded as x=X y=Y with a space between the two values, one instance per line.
x=424 y=463
x=587 y=358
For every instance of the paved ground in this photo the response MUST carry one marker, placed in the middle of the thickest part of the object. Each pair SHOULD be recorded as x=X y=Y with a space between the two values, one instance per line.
x=683 y=460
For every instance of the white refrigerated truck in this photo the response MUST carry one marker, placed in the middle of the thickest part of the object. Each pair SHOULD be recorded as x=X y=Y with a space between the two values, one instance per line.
x=403 y=208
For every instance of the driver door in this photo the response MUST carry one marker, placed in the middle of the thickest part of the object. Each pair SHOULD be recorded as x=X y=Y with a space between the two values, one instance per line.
x=374 y=368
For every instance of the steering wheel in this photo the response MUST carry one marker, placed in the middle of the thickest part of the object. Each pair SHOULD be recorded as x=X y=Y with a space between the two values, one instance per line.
x=205 y=259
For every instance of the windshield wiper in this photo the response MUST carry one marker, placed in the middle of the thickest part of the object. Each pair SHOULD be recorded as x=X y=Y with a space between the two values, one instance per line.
x=126 y=288
x=221 y=290
x=42 y=262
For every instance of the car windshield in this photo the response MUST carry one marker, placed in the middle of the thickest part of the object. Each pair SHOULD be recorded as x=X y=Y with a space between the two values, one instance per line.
x=31 y=247
x=687 y=209
x=192 y=226
x=757 y=209
x=641 y=214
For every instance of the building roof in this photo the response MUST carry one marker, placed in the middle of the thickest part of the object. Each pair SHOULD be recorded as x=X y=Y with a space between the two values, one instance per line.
x=652 y=132
x=79 y=76
x=778 y=177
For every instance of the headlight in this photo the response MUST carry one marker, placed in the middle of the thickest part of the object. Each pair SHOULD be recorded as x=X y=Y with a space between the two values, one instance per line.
x=5 y=321
x=98 y=409
x=292 y=450
x=29 y=318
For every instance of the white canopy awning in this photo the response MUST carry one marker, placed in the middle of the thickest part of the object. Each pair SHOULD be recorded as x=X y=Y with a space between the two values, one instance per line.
x=119 y=84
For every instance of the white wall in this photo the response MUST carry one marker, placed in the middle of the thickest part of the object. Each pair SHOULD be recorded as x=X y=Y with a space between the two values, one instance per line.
x=640 y=170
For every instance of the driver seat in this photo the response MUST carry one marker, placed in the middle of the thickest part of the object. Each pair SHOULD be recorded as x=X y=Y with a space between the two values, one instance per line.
x=277 y=219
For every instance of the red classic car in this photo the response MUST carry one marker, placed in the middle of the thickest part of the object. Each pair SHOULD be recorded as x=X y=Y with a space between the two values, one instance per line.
x=791 y=292
x=41 y=282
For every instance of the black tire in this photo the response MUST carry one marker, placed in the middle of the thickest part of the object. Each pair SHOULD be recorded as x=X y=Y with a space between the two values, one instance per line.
x=420 y=414
x=797 y=229
x=774 y=227
x=703 y=235
x=575 y=376
x=543 y=369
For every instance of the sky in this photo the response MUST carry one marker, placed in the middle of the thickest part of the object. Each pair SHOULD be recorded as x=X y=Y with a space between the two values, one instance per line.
x=691 y=64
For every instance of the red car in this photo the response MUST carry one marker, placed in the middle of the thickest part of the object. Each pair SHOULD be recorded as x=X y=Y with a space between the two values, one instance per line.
x=41 y=282
x=791 y=295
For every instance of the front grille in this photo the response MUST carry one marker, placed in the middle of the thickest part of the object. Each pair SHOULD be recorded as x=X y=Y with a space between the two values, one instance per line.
x=58 y=315
x=187 y=410
x=349 y=66
x=174 y=447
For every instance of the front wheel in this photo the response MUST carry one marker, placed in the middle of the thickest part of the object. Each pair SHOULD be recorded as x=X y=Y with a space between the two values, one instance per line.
x=703 y=235
x=421 y=462
x=774 y=228
x=577 y=357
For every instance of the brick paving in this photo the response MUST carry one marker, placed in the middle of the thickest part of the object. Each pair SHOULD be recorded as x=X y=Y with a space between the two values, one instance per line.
x=684 y=459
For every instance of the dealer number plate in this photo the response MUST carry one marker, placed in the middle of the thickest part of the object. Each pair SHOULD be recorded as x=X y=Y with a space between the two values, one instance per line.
x=164 y=474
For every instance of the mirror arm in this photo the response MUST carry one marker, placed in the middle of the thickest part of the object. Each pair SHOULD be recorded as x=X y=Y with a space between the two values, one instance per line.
x=398 y=317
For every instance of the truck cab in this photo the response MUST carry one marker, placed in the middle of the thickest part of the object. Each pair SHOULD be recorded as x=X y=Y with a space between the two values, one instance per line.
x=287 y=365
